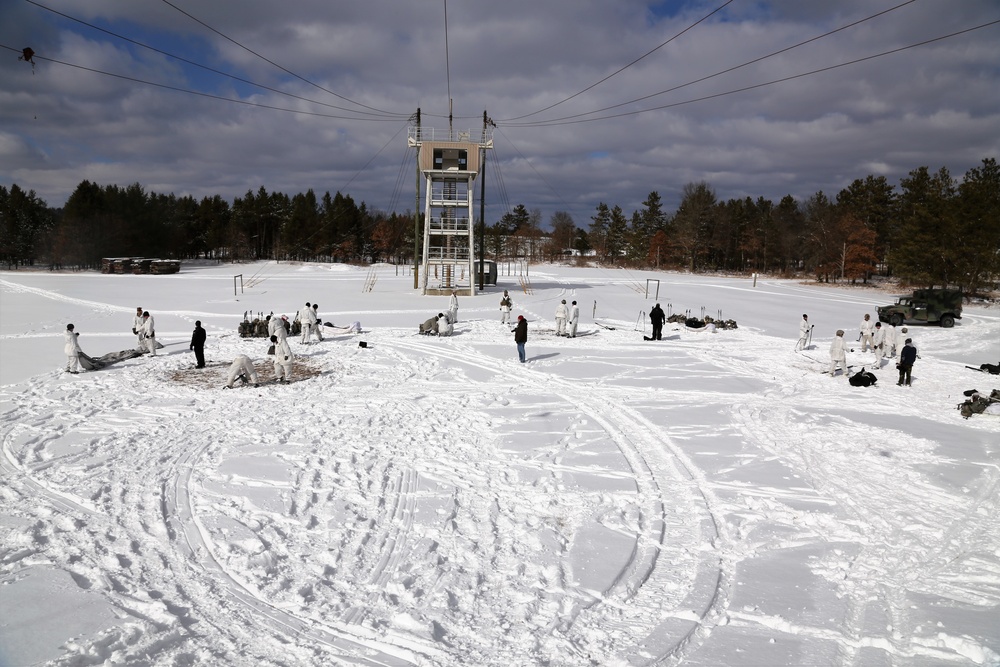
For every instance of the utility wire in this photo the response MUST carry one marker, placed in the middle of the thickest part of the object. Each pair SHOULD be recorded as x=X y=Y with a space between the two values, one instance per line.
x=622 y=69
x=736 y=67
x=201 y=94
x=283 y=69
x=195 y=64
x=555 y=122
x=447 y=58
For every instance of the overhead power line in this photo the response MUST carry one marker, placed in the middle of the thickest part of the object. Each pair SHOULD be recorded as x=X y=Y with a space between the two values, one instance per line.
x=271 y=62
x=199 y=65
x=740 y=66
x=571 y=121
x=199 y=93
x=622 y=69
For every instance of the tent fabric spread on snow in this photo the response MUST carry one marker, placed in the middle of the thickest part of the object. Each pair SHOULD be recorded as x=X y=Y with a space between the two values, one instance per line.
x=91 y=364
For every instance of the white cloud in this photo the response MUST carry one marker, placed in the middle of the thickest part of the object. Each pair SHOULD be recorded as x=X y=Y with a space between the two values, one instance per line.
x=933 y=105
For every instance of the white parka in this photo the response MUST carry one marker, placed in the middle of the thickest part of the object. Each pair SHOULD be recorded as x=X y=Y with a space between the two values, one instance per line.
x=72 y=347
x=889 y=342
x=276 y=327
x=879 y=337
x=282 y=352
x=838 y=349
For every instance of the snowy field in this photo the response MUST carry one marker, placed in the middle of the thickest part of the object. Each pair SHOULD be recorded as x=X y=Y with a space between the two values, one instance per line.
x=708 y=499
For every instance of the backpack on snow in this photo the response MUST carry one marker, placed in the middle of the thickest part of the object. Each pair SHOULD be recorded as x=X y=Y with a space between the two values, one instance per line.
x=863 y=379
x=992 y=369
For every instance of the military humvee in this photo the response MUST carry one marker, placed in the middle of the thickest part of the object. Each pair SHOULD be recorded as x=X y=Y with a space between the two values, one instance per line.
x=943 y=306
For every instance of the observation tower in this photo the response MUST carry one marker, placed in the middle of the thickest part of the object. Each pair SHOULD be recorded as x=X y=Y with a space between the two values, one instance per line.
x=449 y=163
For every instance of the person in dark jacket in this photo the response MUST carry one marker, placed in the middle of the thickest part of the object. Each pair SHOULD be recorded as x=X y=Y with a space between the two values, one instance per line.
x=198 y=344
x=521 y=336
x=907 y=356
x=657 y=317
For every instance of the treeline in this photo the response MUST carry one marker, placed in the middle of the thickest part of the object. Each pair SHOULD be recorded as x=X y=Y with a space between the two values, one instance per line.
x=933 y=230
x=112 y=221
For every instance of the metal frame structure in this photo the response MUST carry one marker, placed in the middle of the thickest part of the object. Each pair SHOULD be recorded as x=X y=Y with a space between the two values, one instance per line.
x=449 y=164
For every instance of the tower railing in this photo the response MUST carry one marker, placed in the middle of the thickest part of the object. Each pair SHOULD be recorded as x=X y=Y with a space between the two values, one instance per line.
x=448 y=224
x=454 y=253
x=417 y=134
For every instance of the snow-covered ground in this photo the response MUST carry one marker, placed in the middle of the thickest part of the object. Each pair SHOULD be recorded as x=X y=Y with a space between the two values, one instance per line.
x=709 y=499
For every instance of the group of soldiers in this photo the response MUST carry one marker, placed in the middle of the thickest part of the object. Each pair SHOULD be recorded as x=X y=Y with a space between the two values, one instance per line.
x=883 y=341
x=242 y=369
x=308 y=317
x=278 y=330
x=566 y=315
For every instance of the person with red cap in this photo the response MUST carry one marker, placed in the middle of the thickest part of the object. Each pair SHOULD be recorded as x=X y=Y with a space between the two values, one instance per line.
x=521 y=336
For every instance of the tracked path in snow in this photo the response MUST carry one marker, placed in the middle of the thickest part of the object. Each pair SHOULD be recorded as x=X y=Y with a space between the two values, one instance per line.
x=645 y=589
x=905 y=535
x=426 y=503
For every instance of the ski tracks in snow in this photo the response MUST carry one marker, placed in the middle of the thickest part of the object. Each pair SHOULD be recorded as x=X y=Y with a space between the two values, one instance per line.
x=904 y=534
x=643 y=613
x=423 y=502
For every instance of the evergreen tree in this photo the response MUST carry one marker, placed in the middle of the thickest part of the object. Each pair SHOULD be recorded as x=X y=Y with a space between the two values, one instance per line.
x=617 y=238
x=214 y=217
x=25 y=225
x=299 y=239
x=599 y=226
x=978 y=228
x=693 y=223
x=789 y=223
x=82 y=229
x=925 y=252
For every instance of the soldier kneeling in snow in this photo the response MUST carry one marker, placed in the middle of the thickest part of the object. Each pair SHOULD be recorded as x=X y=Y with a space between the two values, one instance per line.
x=430 y=326
x=242 y=369
x=444 y=326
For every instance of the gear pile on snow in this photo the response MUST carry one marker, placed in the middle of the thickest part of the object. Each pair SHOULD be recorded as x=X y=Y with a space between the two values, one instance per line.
x=698 y=323
x=977 y=403
x=257 y=327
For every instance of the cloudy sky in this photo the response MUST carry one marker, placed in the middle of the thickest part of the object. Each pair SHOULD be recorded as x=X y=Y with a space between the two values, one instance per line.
x=593 y=100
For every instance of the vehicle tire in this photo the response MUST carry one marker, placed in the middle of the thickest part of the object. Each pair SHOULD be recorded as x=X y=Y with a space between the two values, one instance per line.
x=896 y=319
x=947 y=321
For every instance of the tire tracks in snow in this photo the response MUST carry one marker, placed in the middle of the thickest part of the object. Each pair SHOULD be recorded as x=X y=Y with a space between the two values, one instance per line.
x=891 y=511
x=658 y=466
